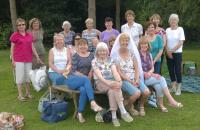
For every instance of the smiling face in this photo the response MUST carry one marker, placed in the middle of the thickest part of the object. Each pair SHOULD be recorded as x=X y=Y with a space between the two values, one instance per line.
x=36 y=25
x=144 y=47
x=102 y=53
x=129 y=18
x=156 y=21
x=124 y=40
x=151 y=29
x=82 y=46
x=173 y=22
x=89 y=24
x=59 y=41
x=109 y=24
x=21 y=26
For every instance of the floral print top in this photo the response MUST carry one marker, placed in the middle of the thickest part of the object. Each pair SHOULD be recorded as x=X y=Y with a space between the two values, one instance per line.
x=104 y=67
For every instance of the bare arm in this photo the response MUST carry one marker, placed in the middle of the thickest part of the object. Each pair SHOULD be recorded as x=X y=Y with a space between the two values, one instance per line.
x=135 y=64
x=11 y=54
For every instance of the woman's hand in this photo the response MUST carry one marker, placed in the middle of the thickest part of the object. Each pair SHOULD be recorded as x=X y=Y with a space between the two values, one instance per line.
x=147 y=75
x=116 y=85
x=157 y=76
x=169 y=54
x=13 y=64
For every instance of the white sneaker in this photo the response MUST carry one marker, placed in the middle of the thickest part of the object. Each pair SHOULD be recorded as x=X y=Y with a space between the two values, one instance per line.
x=178 y=90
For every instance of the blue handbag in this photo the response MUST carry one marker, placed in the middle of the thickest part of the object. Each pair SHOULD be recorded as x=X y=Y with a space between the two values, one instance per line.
x=54 y=111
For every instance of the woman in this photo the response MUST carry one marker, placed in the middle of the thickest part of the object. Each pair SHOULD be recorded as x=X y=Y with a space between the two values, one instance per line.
x=134 y=29
x=68 y=34
x=109 y=32
x=74 y=47
x=155 y=18
x=108 y=80
x=81 y=61
x=152 y=79
x=156 y=43
x=22 y=51
x=59 y=73
x=128 y=64
x=90 y=33
x=35 y=28
x=174 y=48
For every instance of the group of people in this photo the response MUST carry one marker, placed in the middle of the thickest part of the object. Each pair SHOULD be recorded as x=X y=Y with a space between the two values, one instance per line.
x=126 y=66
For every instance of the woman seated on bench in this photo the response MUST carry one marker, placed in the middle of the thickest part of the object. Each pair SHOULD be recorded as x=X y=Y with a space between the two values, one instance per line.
x=155 y=80
x=108 y=80
x=59 y=73
x=81 y=60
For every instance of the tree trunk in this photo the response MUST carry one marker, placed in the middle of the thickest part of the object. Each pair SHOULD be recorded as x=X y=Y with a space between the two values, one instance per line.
x=92 y=10
x=117 y=19
x=13 y=13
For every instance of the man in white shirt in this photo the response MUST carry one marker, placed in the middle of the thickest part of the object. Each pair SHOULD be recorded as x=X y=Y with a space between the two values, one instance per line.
x=134 y=29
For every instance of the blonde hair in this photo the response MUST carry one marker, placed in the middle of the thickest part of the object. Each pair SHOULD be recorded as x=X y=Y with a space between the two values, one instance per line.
x=144 y=40
x=173 y=16
x=124 y=36
x=155 y=16
x=58 y=35
x=89 y=20
x=101 y=46
x=34 y=20
x=20 y=20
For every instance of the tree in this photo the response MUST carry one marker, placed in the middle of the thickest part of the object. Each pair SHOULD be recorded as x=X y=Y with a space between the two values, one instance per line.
x=13 y=13
x=92 y=10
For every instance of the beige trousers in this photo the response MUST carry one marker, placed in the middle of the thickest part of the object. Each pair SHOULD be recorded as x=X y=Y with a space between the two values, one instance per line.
x=115 y=97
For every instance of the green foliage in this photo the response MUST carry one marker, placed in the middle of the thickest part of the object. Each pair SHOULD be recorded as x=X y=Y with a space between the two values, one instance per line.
x=188 y=11
x=5 y=31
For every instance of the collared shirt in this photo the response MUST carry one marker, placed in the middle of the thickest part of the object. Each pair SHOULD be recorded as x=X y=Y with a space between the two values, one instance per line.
x=134 y=31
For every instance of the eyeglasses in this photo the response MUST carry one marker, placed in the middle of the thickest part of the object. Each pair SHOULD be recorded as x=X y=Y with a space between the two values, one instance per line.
x=21 y=24
x=77 y=38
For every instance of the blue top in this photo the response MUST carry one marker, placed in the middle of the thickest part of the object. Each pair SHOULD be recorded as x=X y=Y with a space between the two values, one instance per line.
x=156 y=46
x=82 y=64
x=69 y=37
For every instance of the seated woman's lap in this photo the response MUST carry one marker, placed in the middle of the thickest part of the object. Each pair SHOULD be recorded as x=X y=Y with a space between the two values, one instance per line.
x=129 y=88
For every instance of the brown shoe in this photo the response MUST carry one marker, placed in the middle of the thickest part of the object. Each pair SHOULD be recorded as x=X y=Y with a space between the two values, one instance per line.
x=132 y=111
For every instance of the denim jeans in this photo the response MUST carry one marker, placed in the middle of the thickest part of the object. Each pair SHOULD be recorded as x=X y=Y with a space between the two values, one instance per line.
x=157 y=68
x=157 y=84
x=74 y=82
x=174 y=67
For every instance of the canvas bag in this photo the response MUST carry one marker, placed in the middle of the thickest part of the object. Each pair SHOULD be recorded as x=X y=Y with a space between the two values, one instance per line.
x=54 y=111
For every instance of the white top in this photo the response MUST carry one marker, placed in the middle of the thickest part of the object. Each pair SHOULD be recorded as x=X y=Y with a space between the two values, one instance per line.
x=134 y=31
x=59 y=59
x=174 y=37
x=132 y=49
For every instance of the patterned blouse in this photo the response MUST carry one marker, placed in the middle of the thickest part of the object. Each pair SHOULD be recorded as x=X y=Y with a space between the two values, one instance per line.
x=126 y=66
x=82 y=64
x=104 y=67
x=146 y=64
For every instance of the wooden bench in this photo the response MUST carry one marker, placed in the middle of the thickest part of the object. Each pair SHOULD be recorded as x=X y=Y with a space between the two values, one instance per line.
x=73 y=93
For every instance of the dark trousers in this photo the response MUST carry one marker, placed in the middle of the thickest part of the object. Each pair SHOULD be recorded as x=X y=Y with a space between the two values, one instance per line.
x=174 y=67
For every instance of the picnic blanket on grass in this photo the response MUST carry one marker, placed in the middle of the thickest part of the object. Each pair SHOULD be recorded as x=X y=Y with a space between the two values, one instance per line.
x=189 y=83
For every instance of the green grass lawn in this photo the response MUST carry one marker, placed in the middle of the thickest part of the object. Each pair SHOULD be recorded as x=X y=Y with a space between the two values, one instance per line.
x=186 y=118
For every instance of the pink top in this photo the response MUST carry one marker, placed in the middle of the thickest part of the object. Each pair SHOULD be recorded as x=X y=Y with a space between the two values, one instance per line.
x=23 y=47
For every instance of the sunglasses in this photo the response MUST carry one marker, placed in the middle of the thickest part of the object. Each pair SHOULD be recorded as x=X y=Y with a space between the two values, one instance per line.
x=21 y=24
x=77 y=38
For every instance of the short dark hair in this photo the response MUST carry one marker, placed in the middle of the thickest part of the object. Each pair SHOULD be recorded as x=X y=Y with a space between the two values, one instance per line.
x=108 y=19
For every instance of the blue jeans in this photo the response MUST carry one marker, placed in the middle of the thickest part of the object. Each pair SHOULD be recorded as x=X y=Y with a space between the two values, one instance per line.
x=157 y=68
x=174 y=67
x=130 y=89
x=157 y=84
x=74 y=82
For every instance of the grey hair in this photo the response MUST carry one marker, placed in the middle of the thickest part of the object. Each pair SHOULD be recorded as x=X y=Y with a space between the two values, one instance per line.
x=173 y=16
x=66 y=23
x=101 y=46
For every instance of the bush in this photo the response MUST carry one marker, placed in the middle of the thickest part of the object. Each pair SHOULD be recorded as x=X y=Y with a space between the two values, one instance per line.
x=5 y=32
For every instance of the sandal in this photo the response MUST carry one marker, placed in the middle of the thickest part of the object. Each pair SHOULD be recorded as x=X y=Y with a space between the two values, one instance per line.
x=96 y=108
x=21 y=98
x=163 y=109
x=178 y=105
x=29 y=96
x=142 y=112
